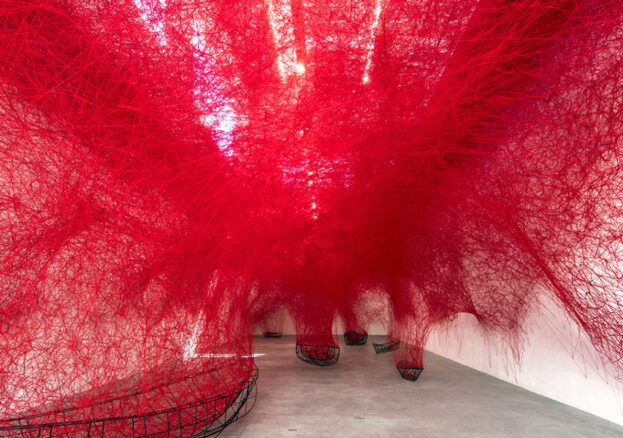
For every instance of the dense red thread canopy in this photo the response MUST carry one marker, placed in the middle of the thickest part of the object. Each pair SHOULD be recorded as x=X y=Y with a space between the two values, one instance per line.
x=174 y=173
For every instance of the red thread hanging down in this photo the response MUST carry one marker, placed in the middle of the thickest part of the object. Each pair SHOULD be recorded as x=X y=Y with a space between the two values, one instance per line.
x=175 y=173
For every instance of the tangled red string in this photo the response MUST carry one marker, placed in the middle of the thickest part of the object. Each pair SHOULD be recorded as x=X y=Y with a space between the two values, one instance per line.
x=174 y=173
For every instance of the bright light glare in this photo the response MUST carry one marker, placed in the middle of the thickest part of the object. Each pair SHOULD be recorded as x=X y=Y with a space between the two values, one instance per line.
x=375 y=24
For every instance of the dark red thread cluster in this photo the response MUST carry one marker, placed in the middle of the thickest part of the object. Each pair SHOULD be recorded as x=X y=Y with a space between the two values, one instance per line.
x=175 y=173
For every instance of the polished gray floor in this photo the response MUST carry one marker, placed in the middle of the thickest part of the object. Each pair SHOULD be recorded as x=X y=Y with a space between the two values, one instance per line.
x=363 y=396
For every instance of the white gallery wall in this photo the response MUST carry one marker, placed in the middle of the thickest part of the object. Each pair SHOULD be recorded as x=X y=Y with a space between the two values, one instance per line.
x=557 y=360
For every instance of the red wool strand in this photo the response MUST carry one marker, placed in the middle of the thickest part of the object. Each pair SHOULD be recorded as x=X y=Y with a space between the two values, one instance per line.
x=175 y=173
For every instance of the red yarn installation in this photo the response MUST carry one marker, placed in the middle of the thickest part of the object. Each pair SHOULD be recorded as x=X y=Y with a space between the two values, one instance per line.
x=175 y=173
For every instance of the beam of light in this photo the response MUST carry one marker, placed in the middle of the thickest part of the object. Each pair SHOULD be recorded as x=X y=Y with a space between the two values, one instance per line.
x=283 y=38
x=365 y=78
x=153 y=17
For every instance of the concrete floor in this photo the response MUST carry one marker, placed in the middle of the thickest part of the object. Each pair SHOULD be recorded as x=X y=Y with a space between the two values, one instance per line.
x=363 y=396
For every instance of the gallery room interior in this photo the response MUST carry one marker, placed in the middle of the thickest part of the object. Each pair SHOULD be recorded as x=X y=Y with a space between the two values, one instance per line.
x=311 y=218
